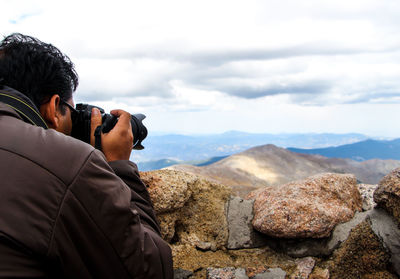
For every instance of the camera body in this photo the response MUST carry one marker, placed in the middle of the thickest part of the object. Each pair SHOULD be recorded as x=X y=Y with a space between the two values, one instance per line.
x=82 y=122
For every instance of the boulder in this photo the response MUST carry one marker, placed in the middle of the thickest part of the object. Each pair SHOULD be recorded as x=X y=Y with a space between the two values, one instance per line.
x=387 y=195
x=190 y=209
x=388 y=232
x=362 y=255
x=309 y=208
x=180 y=273
x=241 y=231
x=272 y=273
x=169 y=190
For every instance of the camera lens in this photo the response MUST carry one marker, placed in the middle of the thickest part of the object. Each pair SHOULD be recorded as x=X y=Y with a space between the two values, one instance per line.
x=82 y=126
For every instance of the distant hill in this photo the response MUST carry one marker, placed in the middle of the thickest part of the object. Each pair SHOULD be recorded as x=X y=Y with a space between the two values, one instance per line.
x=359 y=151
x=210 y=161
x=203 y=147
x=163 y=163
x=271 y=165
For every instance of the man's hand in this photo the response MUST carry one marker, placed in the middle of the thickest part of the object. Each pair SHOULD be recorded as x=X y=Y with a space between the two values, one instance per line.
x=116 y=144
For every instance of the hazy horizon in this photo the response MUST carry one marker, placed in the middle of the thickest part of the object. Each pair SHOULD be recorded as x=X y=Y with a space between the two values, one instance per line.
x=163 y=133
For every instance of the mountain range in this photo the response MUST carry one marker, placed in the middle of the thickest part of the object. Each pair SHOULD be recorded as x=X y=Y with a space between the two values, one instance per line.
x=162 y=150
x=271 y=165
x=359 y=151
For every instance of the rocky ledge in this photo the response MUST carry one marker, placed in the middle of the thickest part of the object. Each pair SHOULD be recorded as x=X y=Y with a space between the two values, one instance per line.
x=325 y=226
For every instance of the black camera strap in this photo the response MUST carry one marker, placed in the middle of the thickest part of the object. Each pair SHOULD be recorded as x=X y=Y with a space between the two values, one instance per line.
x=22 y=105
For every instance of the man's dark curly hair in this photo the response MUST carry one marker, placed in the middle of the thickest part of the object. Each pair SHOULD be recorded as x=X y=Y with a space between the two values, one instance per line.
x=36 y=69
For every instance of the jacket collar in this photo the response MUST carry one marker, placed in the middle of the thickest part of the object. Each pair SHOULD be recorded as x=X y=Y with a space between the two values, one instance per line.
x=18 y=105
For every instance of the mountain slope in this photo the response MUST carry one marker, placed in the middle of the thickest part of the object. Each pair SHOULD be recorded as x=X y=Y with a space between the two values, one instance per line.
x=268 y=165
x=203 y=147
x=360 y=151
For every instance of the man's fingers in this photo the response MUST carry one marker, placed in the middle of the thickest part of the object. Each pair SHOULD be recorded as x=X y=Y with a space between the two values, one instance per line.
x=124 y=120
x=95 y=121
x=117 y=144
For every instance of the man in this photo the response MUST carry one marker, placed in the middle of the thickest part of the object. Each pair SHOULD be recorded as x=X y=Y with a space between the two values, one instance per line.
x=67 y=210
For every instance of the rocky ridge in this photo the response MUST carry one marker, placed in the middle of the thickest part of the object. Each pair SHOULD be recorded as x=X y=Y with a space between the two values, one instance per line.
x=214 y=234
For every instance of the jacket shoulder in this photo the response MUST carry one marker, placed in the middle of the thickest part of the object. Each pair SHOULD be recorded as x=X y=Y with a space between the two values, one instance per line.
x=61 y=155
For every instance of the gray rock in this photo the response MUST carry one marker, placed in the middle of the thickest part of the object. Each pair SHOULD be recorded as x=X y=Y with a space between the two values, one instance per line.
x=241 y=232
x=342 y=231
x=220 y=273
x=240 y=273
x=386 y=227
x=226 y=273
x=180 y=273
x=367 y=195
x=272 y=273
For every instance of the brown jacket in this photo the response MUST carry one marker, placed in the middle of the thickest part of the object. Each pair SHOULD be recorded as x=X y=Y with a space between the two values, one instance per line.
x=67 y=213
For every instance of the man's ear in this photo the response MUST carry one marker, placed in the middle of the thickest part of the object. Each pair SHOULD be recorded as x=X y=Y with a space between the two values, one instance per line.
x=51 y=112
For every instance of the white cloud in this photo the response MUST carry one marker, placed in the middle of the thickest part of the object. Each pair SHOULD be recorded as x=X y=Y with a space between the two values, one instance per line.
x=300 y=63
x=114 y=78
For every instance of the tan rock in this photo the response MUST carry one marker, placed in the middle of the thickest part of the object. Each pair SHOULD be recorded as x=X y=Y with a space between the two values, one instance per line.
x=387 y=195
x=304 y=268
x=306 y=208
x=362 y=255
x=253 y=271
x=191 y=210
x=168 y=223
x=319 y=273
x=169 y=190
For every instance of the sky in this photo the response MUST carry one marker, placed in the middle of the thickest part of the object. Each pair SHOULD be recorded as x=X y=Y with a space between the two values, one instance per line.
x=272 y=66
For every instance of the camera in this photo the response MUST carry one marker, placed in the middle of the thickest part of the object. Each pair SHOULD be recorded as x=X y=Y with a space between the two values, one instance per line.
x=81 y=124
